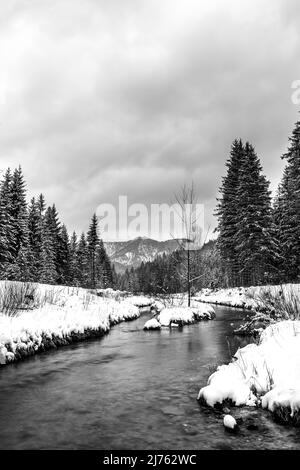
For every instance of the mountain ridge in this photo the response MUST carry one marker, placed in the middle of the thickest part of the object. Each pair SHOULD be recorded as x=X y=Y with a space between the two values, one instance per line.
x=131 y=253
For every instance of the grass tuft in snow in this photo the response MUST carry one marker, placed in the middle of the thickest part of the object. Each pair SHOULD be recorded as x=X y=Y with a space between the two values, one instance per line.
x=282 y=303
x=16 y=296
x=284 y=415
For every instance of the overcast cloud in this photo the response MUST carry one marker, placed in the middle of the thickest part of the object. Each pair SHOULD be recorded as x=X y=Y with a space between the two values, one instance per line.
x=101 y=98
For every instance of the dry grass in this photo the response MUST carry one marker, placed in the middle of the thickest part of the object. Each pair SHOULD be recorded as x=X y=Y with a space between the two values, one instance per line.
x=282 y=304
x=17 y=296
x=284 y=415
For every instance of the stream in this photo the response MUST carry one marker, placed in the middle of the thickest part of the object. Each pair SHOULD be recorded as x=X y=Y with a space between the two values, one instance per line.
x=131 y=390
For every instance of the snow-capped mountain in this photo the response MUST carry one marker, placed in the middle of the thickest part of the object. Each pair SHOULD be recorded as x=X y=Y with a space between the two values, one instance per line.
x=132 y=253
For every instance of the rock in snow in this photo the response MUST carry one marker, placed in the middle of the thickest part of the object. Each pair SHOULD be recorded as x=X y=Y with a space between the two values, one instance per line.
x=180 y=316
x=152 y=324
x=230 y=423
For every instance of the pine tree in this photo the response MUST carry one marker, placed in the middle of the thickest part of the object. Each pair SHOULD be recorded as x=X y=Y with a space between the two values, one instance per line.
x=103 y=268
x=47 y=273
x=64 y=256
x=6 y=227
x=287 y=209
x=73 y=271
x=254 y=238
x=23 y=268
x=35 y=222
x=115 y=279
x=18 y=211
x=82 y=263
x=227 y=210
x=41 y=205
x=93 y=243
x=51 y=221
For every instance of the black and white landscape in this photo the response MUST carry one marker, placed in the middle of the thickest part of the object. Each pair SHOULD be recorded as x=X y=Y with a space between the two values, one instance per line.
x=149 y=226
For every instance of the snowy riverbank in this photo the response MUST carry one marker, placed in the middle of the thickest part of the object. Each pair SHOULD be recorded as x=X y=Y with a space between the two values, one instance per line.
x=180 y=316
x=267 y=374
x=53 y=316
x=248 y=298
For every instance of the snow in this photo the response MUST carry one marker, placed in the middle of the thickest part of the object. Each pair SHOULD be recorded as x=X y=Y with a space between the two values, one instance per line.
x=58 y=315
x=179 y=316
x=282 y=397
x=268 y=372
x=152 y=324
x=229 y=422
x=175 y=314
x=243 y=297
x=141 y=301
x=204 y=312
x=158 y=305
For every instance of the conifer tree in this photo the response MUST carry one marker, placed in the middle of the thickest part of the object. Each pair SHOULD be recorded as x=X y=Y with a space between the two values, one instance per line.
x=47 y=273
x=287 y=209
x=104 y=274
x=82 y=263
x=93 y=243
x=73 y=270
x=18 y=211
x=23 y=267
x=35 y=233
x=227 y=210
x=254 y=239
x=6 y=227
x=64 y=256
x=41 y=205
x=53 y=228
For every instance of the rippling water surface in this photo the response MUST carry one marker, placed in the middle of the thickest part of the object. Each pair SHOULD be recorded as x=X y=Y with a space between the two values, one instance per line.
x=130 y=390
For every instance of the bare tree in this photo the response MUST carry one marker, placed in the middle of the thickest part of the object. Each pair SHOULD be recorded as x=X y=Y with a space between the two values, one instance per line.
x=190 y=213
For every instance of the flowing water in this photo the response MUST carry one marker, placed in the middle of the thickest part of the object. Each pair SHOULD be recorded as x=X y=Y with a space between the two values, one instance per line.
x=130 y=390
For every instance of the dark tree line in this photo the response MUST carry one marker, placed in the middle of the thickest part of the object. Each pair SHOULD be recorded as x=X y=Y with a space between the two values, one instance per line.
x=166 y=274
x=36 y=247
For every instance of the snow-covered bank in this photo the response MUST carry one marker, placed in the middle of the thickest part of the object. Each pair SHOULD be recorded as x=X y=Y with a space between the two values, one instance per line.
x=249 y=298
x=55 y=316
x=267 y=374
x=139 y=300
x=270 y=304
x=180 y=316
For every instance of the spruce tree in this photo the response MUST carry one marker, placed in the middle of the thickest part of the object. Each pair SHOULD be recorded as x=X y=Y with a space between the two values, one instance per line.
x=6 y=226
x=93 y=243
x=23 y=267
x=227 y=210
x=254 y=239
x=287 y=209
x=82 y=263
x=51 y=222
x=35 y=222
x=41 y=205
x=47 y=273
x=64 y=256
x=103 y=268
x=73 y=271
x=18 y=211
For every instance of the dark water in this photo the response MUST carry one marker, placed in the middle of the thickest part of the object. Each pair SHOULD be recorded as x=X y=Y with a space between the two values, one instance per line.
x=129 y=390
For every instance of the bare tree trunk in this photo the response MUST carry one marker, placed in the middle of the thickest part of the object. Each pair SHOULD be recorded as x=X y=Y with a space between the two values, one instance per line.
x=188 y=278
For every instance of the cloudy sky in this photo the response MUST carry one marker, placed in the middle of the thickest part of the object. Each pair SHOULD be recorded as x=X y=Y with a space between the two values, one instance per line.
x=136 y=97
